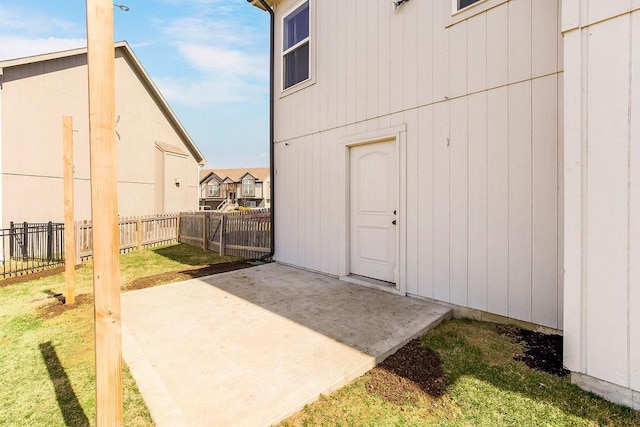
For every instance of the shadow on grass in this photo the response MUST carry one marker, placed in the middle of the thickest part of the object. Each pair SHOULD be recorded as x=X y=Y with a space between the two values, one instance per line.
x=175 y=276
x=70 y=407
x=462 y=358
x=186 y=254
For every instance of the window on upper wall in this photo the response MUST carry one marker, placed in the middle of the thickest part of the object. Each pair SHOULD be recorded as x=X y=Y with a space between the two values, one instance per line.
x=461 y=4
x=296 y=58
x=248 y=186
x=213 y=190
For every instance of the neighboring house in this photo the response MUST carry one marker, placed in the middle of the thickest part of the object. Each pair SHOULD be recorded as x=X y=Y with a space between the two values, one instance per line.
x=158 y=162
x=246 y=187
x=484 y=154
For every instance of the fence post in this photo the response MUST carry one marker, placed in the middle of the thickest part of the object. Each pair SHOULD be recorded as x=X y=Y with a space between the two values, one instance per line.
x=12 y=238
x=25 y=240
x=178 y=227
x=49 y=241
x=204 y=232
x=223 y=224
x=139 y=233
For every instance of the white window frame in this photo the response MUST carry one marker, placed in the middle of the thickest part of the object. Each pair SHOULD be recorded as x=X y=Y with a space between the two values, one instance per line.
x=457 y=8
x=211 y=192
x=459 y=15
x=252 y=185
x=311 y=78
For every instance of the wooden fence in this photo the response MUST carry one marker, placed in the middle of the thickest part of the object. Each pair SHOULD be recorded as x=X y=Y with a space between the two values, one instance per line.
x=244 y=234
x=136 y=233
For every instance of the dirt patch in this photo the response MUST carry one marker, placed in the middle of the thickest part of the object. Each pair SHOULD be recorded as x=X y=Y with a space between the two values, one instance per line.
x=57 y=306
x=411 y=372
x=542 y=352
x=176 y=276
x=27 y=277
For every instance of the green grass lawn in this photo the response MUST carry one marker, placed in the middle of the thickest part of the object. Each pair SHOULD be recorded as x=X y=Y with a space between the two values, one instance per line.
x=46 y=354
x=485 y=387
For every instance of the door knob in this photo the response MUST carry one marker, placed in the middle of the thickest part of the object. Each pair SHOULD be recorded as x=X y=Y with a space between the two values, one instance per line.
x=393 y=222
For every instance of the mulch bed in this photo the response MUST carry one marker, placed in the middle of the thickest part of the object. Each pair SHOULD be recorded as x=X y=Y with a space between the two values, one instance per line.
x=542 y=352
x=412 y=371
x=416 y=370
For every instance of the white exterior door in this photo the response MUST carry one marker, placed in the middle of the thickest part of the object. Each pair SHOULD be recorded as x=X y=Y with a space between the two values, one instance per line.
x=373 y=188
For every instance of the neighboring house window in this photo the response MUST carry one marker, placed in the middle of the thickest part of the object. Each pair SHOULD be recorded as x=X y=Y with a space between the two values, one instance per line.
x=248 y=187
x=295 y=49
x=213 y=190
x=461 y=4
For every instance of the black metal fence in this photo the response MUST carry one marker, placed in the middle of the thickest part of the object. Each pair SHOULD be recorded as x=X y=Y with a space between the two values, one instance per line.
x=29 y=247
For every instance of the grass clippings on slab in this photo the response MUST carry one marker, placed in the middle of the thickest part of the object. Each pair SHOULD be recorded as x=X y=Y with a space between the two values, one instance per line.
x=47 y=348
x=467 y=373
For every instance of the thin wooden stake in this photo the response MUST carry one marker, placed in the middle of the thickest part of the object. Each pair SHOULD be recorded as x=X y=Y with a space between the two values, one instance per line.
x=104 y=212
x=69 y=232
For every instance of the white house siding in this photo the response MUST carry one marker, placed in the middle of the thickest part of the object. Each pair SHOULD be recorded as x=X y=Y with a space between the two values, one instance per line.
x=482 y=103
x=35 y=97
x=602 y=185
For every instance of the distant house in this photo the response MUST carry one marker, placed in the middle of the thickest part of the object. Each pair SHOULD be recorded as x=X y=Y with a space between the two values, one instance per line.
x=480 y=153
x=248 y=187
x=158 y=162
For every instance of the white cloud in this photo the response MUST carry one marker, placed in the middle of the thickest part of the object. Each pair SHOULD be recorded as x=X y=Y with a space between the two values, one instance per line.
x=206 y=91
x=17 y=47
x=229 y=56
x=28 y=22
x=224 y=61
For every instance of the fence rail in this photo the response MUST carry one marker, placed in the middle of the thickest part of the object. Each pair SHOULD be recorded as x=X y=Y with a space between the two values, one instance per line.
x=136 y=233
x=30 y=247
x=244 y=234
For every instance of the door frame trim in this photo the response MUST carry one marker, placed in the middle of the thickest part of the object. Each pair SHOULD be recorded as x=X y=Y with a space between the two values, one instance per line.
x=396 y=134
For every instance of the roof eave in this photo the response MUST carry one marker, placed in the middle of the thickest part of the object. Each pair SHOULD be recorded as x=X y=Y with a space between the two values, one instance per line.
x=259 y=5
x=195 y=151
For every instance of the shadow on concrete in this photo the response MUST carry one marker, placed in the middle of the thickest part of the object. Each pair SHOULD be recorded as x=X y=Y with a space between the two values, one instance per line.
x=365 y=319
x=70 y=407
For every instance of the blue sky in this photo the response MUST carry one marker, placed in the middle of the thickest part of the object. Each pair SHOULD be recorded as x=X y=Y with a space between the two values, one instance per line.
x=210 y=59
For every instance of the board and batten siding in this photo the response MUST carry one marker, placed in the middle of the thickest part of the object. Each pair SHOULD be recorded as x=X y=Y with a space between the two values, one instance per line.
x=602 y=196
x=481 y=99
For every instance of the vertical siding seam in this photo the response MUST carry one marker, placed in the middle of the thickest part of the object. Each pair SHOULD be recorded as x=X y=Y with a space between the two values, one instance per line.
x=433 y=186
x=559 y=173
x=486 y=169
x=584 y=178
x=433 y=208
x=468 y=210
x=629 y=195
x=449 y=187
x=531 y=198
x=466 y=89
x=418 y=174
x=508 y=178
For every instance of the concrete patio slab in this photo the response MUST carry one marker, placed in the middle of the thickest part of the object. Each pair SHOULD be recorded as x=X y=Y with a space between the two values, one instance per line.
x=251 y=347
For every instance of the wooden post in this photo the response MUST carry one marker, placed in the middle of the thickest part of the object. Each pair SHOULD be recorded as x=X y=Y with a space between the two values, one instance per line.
x=69 y=232
x=178 y=227
x=139 y=233
x=104 y=212
x=223 y=224
x=204 y=232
